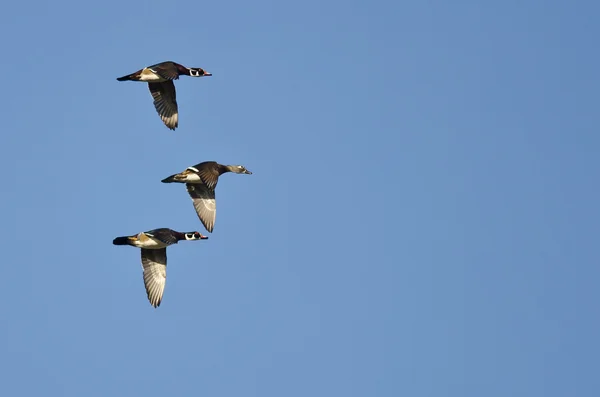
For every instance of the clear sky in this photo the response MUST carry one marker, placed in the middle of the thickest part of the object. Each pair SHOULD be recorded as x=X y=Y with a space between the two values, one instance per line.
x=422 y=218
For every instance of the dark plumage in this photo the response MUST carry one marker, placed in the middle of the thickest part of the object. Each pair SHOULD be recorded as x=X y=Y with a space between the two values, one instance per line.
x=153 y=244
x=201 y=181
x=160 y=82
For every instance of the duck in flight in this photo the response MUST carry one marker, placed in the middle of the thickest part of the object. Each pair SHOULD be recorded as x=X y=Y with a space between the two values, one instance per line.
x=201 y=181
x=160 y=81
x=154 y=245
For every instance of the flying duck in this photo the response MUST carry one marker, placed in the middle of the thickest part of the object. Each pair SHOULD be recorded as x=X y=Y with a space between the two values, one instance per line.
x=201 y=181
x=160 y=81
x=154 y=245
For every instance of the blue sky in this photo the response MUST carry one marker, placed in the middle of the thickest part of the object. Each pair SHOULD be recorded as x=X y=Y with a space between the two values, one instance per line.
x=422 y=218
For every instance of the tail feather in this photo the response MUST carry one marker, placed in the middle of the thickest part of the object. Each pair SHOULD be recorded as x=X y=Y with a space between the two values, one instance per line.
x=170 y=179
x=122 y=241
x=125 y=78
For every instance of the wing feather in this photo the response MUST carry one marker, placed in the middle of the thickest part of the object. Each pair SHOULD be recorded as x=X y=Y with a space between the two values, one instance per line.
x=165 y=102
x=154 y=263
x=204 y=203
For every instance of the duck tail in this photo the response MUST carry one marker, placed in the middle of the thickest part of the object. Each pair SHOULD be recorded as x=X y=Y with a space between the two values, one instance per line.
x=125 y=78
x=122 y=241
x=170 y=179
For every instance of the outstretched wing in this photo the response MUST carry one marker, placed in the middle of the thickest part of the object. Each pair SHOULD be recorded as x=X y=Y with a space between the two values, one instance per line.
x=154 y=263
x=165 y=102
x=209 y=173
x=204 y=203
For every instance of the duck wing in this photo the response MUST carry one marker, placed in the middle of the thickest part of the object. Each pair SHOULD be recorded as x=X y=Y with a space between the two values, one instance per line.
x=154 y=263
x=165 y=102
x=205 y=204
x=163 y=235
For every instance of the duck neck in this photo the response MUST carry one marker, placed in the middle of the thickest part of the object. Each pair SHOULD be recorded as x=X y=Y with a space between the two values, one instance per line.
x=224 y=168
x=179 y=236
x=182 y=69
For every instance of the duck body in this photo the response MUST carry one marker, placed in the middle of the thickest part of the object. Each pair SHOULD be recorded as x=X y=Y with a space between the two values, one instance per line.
x=201 y=181
x=163 y=71
x=160 y=79
x=146 y=75
x=156 y=238
x=207 y=173
x=153 y=244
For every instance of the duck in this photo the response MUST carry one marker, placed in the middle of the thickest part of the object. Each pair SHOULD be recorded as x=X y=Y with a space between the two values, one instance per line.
x=160 y=81
x=201 y=181
x=154 y=245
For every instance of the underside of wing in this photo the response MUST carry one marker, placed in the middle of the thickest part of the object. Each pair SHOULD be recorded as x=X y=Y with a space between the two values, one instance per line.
x=165 y=102
x=204 y=204
x=154 y=263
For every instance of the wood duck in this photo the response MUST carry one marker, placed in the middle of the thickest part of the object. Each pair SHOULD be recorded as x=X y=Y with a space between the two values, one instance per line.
x=201 y=181
x=154 y=245
x=160 y=81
